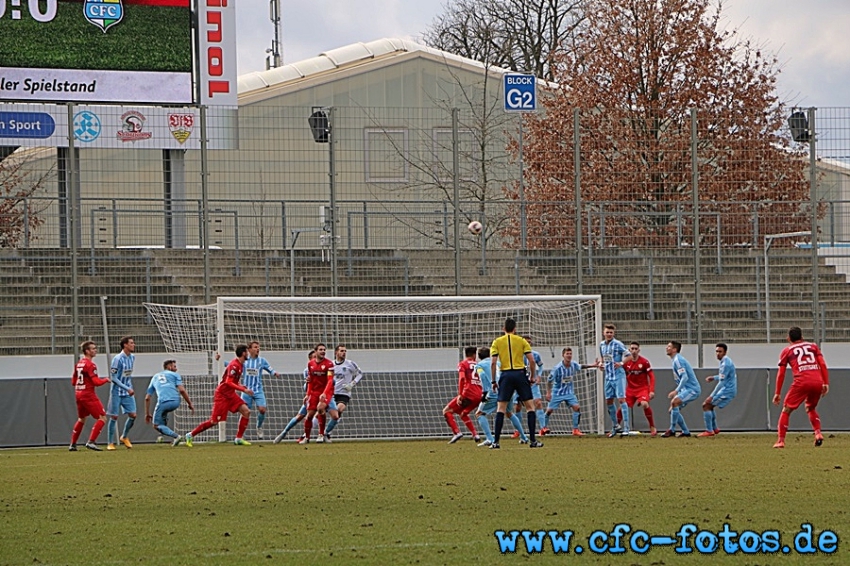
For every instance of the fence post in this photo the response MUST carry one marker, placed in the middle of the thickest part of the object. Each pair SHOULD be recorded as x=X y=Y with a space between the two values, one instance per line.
x=26 y=223
x=719 y=269
x=651 y=315
x=577 y=182
x=283 y=231
x=456 y=196
x=589 y=241
x=483 y=241
x=697 y=266
x=237 y=270
x=813 y=190
x=114 y=225
x=516 y=272
x=365 y=226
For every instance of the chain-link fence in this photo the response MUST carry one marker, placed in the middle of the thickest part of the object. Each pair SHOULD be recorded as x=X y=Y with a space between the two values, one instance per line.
x=376 y=201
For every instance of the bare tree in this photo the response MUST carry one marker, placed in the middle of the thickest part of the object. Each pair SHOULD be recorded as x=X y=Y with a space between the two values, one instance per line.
x=19 y=212
x=637 y=70
x=485 y=167
x=520 y=35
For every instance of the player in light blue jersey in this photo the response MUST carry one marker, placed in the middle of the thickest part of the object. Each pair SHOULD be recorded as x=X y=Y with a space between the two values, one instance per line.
x=121 y=394
x=724 y=391
x=252 y=378
x=489 y=402
x=562 y=377
x=302 y=412
x=610 y=361
x=536 y=392
x=347 y=374
x=687 y=389
x=168 y=387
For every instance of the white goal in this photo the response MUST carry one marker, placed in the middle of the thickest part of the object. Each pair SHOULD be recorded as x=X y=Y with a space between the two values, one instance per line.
x=407 y=347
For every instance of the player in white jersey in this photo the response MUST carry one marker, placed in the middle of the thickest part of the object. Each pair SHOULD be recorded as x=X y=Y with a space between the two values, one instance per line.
x=121 y=394
x=347 y=374
x=252 y=378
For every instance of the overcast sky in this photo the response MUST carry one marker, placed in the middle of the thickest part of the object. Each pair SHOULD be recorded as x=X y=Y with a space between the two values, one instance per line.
x=812 y=39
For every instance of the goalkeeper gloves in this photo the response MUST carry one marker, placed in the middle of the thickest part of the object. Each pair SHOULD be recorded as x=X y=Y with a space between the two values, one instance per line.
x=348 y=386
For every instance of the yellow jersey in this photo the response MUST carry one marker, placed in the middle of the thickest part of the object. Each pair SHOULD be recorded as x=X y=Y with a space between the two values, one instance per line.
x=511 y=350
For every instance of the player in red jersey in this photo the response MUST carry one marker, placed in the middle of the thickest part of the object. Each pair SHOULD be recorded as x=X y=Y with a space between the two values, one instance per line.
x=640 y=384
x=225 y=399
x=469 y=393
x=320 y=393
x=84 y=380
x=811 y=382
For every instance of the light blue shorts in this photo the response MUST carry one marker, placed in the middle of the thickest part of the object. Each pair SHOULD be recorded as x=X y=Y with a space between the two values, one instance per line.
x=259 y=398
x=687 y=395
x=615 y=389
x=721 y=400
x=124 y=404
x=570 y=400
x=161 y=411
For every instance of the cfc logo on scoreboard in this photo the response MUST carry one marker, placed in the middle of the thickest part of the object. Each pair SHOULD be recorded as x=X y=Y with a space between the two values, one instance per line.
x=103 y=13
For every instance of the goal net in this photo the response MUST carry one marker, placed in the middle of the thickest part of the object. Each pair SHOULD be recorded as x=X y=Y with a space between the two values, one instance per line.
x=407 y=347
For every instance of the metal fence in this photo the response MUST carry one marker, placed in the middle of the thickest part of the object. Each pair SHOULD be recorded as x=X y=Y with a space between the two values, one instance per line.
x=382 y=208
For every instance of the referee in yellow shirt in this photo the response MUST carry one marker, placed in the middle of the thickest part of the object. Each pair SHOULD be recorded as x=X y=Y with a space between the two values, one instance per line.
x=511 y=353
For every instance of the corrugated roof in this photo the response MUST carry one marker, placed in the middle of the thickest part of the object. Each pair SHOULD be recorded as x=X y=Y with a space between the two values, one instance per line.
x=347 y=56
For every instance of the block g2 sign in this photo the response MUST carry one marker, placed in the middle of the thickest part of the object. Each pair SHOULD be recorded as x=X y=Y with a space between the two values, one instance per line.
x=520 y=93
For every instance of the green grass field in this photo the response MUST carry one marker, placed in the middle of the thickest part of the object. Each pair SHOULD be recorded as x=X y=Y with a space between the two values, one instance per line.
x=420 y=502
x=151 y=38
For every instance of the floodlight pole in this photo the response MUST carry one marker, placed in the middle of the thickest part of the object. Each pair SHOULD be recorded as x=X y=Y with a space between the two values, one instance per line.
x=73 y=211
x=813 y=196
x=332 y=186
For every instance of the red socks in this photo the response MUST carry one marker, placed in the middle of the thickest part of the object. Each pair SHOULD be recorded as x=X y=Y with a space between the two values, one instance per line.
x=202 y=427
x=95 y=430
x=450 y=419
x=78 y=430
x=814 y=418
x=468 y=422
x=650 y=419
x=782 y=427
x=243 y=426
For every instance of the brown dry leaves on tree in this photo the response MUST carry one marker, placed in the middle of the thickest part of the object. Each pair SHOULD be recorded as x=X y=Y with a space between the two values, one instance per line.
x=20 y=214
x=638 y=69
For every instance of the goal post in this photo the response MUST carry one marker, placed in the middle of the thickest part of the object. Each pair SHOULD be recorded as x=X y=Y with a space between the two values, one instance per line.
x=407 y=347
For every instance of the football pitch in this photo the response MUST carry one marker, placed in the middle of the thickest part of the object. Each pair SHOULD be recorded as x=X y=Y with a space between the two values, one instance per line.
x=427 y=502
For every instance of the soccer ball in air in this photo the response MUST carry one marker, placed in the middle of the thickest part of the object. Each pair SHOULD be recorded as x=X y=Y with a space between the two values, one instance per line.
x=475 y=227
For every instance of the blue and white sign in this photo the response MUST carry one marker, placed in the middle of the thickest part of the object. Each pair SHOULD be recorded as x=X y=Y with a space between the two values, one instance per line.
x=520 y=93
x=33 y=125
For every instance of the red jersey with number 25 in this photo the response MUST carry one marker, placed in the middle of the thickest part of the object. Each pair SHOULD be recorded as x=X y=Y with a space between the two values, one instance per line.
x=806 y=361
x=85 y=377
x=468 y=383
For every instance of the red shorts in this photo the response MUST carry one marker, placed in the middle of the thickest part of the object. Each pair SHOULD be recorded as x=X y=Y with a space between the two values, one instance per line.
x=224 y=403
x=636 y=396
x=313 y=401
x=89 y=405
x=466 y=405
x=799 y=392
